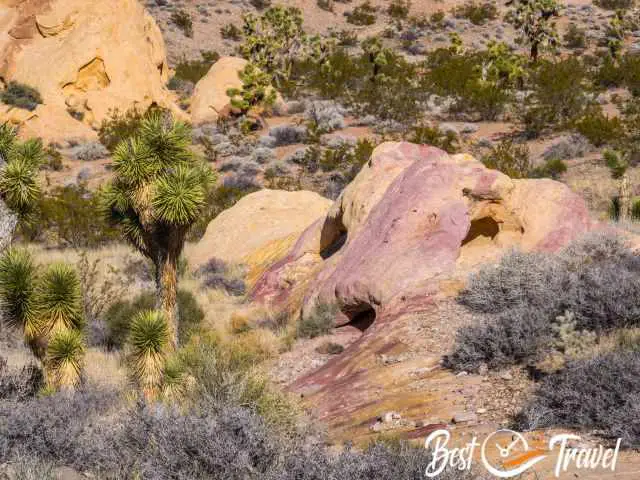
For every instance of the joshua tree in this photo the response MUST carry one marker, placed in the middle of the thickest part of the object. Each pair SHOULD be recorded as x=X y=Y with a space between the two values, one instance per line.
x=535 y=20
x=158 y=192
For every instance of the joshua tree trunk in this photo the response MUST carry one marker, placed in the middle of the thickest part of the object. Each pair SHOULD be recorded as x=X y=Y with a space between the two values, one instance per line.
x=170 y=245
x=625 y=198
x=166 y=287
x=534 y=51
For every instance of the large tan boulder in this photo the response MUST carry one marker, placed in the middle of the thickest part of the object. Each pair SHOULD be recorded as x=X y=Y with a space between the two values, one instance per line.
x=210 y=99
x=83 y=56
x=258 y=224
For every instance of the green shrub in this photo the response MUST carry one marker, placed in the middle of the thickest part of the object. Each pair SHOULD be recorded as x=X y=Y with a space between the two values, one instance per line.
x=69 y=216
x=399 y=9
x=614 y=4
x=609 y=73
x=231 y=32
x=21 y=96
x=478 y=14
x=425 y=135
x=119 y=315
x=193 y=70
x=436 y=19
x=260 y=4
x=326 y=5
x=182 y=20
x=510 y=158
x=118 y=127
x=558 y=95
x=318 y=322
x=53 y=160
x=599 y=128
x=575 y=37
x=364 y=14
x=552 y=168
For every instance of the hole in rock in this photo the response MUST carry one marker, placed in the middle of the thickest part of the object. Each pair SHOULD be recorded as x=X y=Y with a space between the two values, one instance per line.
x=483 y=227
x=362 y=317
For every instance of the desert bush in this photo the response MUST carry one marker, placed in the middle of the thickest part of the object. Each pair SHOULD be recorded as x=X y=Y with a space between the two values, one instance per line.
x=120 y=126
x=19 y=385
x=363 y=14
x=614 y=4
x=69 y=216
x=557 y=97
x=599 y=128
x=610 y=382
x=330 y=348
x=193 y=70
x=325 y=116
x=573 y=146
x=517 y=335
x=575 y=37
x=478 y=14
x=320 y=321
x=326 y=5
x=552 y=168
x=21 y=96
x=91 y=431
x=399 y=9
x=510 y=158
x=182 y=20
x=89 y=151
x=595 y=278
x=426 y=135
x=288 y=134
x=261 y=4
x=218 y=274
x=120 y=313
x=230 y=32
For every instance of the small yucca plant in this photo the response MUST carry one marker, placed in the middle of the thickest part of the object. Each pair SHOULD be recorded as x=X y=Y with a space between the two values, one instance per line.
x=17 y=279
x=63 y=362
x=58 y=299
x=175 y=382
x=149 y=340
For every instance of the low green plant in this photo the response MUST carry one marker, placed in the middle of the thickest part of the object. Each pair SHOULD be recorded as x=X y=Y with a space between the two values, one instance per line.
x=614 y=4
x=599 y=128
x=477 y=13
x=326 y=5
x=552 y=168
x=320 y=321
x=575 y=37
x=510 y=158
x=182 y=20
x=363 y=14
x=399 y=9
x=20 y=95
x=426 y=135
x=231 y=32
x=256 y=92
x=193 y=70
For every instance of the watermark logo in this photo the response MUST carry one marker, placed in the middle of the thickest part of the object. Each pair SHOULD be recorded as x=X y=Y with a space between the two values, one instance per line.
x=507 y=454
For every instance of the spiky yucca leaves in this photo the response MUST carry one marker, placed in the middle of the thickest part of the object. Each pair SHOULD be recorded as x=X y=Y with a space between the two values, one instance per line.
x=149 y=342
x=7 y=139
x=175 y=382
x=63 y=363
x=159 y=190
x=58 y=300
x=17 y=279
x=18 y=179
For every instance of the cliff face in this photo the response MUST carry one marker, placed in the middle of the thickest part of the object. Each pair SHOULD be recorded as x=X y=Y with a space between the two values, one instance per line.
x=85 y=57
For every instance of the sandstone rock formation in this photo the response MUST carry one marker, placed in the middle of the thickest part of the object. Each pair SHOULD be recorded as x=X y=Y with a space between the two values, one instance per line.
x=390 y=253
x=210 y=99
x=85 y=57
x=412 y=217
x=264 y=221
